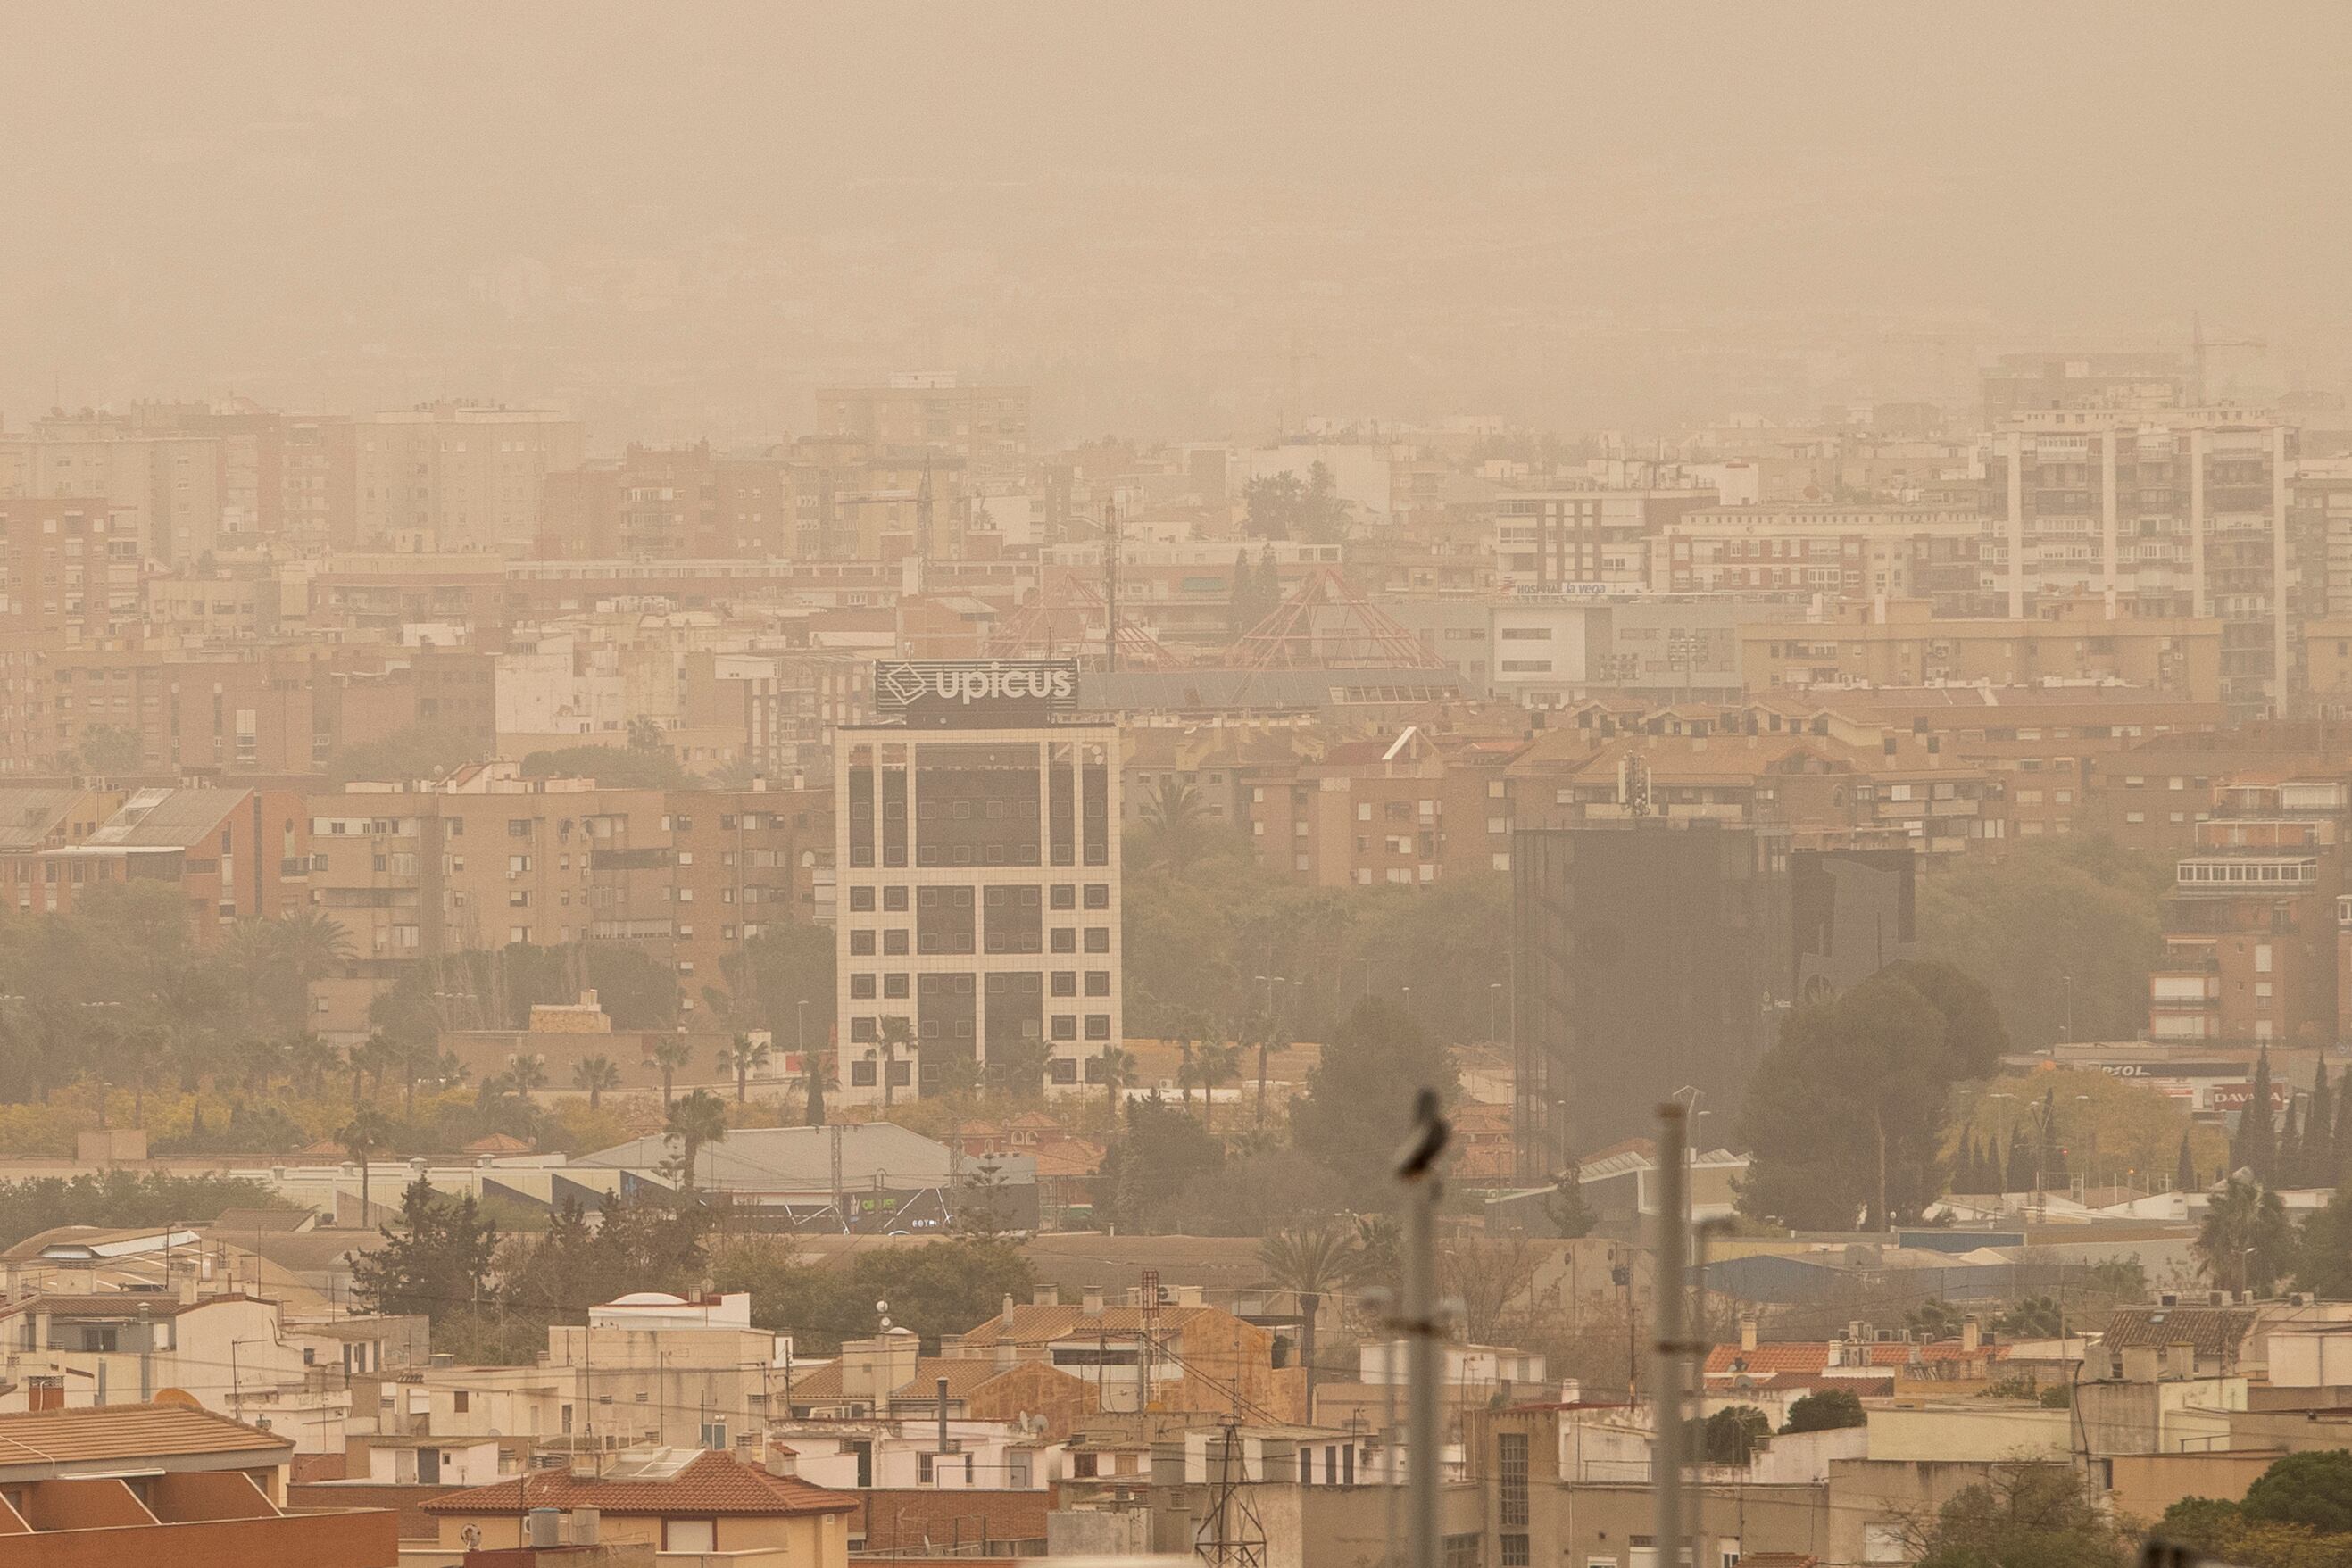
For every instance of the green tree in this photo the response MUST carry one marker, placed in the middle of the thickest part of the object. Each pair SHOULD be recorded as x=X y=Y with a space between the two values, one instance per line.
x=2031 y=1515
x=1175 y=824
x=1733 y=1434
x=743 y=1057
x=1357 y=1104
x=631 y=766
x=2311 y=1489
x=2244 y=1242
x=1152 y=1161
x=403 y=757
x=2054 y=922
x=2255 y=1147
x=1845 y=1118
x=1310 y=1263
x=595 y=1076
x=1214 y=1063
x=2324 y=1249
x=670 y=1057
x=897 y=1036
x=109 y=751
x=1115 y=1068
x=983 y=1204
x=694 y=1122
x=1825 y=1410
x=1565 y=1206
x=438 y=1261
x=122 y=1199
x=365 y=1136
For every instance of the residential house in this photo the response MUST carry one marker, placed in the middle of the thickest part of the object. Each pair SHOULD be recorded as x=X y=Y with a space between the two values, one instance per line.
x=679 y=1500
x=102 y=1487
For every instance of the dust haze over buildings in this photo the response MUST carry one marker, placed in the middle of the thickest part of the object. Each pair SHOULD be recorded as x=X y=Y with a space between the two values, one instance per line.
x=1187 y=224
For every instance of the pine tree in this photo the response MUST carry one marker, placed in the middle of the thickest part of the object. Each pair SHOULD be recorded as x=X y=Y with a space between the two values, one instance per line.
x=2184 y=1170
x=2257 y=1143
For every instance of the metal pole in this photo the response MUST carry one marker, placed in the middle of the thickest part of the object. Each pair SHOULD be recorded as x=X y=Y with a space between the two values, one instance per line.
x=1417 y=1168
x=1666 y=1398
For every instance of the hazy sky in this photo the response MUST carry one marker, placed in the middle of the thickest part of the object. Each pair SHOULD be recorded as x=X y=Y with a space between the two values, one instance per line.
x=591 y=202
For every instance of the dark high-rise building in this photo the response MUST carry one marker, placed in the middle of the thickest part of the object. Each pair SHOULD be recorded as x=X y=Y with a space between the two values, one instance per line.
x=1650 y=956
x=1851 y=913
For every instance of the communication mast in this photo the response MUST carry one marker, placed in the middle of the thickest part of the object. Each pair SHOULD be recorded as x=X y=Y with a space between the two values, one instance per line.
x=1232 y=1535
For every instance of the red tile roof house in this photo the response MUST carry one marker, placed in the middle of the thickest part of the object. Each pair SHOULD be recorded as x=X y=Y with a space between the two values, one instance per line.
x=116 y=1485
x=673 y=1499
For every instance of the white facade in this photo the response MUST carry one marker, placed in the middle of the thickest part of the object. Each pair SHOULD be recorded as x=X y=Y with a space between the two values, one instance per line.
x=977 y=902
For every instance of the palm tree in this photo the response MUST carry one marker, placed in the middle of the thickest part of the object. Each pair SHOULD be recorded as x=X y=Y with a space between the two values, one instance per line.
x=1310 y=1263
x=313 y=943
x=697 y=1120
x=375 y=1057
x=595 y=1074
x=308 y=1060
x=816 y=1077
x=527 y=1074
x=1174 y=824
x=184 y=997
x=361 y=1137
x=669 y=1057
x=741 y=1058
x=1214 y=1063
x=1117 y=1066
x=897 y=1034
x=2245 y=1236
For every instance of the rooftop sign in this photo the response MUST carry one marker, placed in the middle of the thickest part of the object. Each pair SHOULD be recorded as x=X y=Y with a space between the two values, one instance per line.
x=975 y=693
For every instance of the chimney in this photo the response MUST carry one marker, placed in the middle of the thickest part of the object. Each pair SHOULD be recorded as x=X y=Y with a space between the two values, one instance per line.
x=1046 y=1296
x=782 y=1459
x=1747 y=1334
x=1091 y=1302
x=1008 y=1311
x=1971 y=1334
x=585 y=1526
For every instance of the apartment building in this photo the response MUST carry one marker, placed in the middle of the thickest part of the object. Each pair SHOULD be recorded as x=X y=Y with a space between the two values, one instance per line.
x=2152 y=794
x=986 y=426
x=1852 y=554
x=234 y=854
x=457 y=477
x=69 y=571
x=485 y=857
x=2249 y=941
x=977 y=854
x=164 y=492
x=1905 y=644
x=1404 y=810
x=2181 y=515
x=1553 y=539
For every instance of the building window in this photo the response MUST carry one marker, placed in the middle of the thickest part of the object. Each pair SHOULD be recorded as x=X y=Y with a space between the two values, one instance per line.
x=1098 y=939
x=1098 y=1026
x=1511 y=1472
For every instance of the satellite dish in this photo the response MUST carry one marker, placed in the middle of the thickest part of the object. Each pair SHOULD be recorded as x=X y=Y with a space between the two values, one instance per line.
x=177 y=1398
x=472 y=1536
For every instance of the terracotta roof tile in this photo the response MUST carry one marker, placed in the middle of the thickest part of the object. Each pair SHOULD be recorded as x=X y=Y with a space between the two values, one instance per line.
x=2214 y=1331
x=128 y=1432
x=713 y=1484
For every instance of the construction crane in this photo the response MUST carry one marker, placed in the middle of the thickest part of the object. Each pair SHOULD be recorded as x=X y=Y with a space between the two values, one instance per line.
x=2198 y=345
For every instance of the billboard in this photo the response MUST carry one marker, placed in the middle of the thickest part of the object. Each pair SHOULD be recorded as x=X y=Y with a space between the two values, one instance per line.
x=975 y=693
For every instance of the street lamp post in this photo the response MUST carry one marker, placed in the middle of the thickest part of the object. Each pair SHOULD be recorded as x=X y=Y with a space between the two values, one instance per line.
x=1494 y=989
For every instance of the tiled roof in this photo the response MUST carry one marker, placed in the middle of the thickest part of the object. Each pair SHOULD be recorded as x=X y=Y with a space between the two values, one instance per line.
x=2214 y=1331
x=713 y=1484
x=27 y=817
x=1765 y=1360
x=128 y=1432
